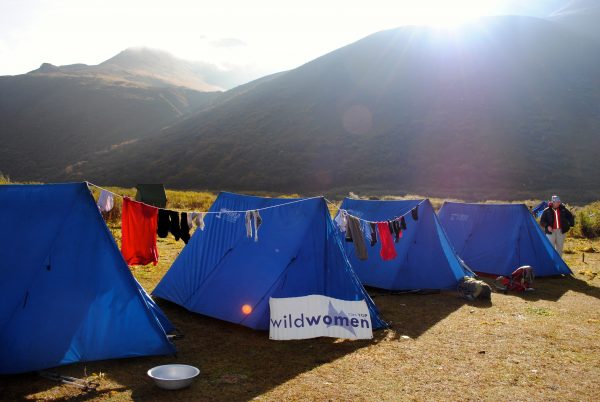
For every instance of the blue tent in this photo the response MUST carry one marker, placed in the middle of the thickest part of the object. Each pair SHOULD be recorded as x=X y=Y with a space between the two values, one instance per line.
x=67 y=294
x=537 y=211
x=425 y=258
x=499 y=238
x=297 y=254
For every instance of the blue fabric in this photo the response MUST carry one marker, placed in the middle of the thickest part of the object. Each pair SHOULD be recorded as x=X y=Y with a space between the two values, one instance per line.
x=297 y=254
x=67 y=294
x=499 y=238
x=537 y=211
x=425 y=258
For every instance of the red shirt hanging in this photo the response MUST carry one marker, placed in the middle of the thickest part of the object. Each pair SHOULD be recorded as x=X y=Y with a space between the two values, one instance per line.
x=388 y=251
x=138 y=233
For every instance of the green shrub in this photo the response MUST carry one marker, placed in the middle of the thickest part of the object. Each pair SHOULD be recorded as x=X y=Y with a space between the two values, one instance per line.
x=587 y=221
x=190 y=200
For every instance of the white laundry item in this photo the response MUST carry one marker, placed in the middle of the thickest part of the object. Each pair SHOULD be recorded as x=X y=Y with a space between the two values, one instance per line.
x=342 y=221
x=106 y=201
x=198 y=218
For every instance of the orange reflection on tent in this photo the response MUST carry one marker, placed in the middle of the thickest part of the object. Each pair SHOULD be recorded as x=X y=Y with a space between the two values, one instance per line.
x=246 y=309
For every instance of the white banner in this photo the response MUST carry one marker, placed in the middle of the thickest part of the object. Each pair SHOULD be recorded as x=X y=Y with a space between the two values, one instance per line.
x=313 y=316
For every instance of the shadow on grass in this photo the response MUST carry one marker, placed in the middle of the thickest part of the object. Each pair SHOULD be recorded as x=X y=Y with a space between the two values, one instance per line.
x=236 y=363
x=554 y=288
x=412 y=314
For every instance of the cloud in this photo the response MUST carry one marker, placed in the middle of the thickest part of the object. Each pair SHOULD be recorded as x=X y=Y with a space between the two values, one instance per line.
x=228 y=42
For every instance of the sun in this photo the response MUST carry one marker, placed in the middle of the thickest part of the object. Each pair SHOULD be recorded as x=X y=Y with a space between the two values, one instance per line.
x=447 y=20
x=444 y=13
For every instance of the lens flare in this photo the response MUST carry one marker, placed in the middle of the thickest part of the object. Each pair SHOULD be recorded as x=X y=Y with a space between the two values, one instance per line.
x=246 y=309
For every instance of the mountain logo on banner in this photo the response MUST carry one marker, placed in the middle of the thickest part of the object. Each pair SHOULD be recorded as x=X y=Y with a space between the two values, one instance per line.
x=342 y=319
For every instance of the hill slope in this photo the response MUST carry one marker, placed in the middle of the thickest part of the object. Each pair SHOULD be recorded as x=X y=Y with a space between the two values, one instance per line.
x=504 y=108
x=58 y=117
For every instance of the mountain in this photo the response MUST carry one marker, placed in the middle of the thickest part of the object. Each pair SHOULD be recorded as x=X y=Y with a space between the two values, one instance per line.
x=503 y=108
x=55 y=118
x=140 y=67
x=151 y=67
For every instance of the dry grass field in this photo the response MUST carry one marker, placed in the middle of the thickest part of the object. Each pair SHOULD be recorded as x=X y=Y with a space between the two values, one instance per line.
x=542 y=345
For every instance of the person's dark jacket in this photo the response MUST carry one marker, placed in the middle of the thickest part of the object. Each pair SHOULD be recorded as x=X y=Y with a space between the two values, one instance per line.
x=567 y=221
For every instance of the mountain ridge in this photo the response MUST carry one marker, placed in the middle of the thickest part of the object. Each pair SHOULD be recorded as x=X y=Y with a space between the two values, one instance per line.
x=503 y=108
x=55 y=118
x=308 y=129
x=138 y=66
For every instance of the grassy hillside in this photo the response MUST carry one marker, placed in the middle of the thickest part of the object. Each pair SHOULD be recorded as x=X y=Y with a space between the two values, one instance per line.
x=50 y=125
x=503 y=109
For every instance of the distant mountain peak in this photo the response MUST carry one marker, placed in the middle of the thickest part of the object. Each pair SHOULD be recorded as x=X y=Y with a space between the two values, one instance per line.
x=47 y=68
x=134 y=56
x=138 y=66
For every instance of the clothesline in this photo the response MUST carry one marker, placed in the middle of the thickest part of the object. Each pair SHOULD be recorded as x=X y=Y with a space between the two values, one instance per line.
x=206 y=212
x=255 y=209
x=383 y=220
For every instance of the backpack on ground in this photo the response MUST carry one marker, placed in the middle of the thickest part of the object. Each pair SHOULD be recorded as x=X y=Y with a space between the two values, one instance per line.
x=520 y=280
x=470 y=288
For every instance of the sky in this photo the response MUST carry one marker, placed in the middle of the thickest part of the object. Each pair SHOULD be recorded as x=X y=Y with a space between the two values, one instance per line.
x=263 y=35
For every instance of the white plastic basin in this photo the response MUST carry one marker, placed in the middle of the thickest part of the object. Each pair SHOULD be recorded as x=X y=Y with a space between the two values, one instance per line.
x=173 y=376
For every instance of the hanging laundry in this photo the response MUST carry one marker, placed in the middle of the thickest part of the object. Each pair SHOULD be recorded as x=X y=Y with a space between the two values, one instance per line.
x=168 y=221
x=356 y=235
x=249 y=224
x=341 y=220
x=185 y=229
x=198 y=218
x=257 y=223
x=190 y=220
x=164 y=223
x=415 y=213
x=397 y=230
x=403 y=223
x=387 y=252
x=174 y=226
x=348 y=235
x=253 y=220
x=138 y=231
x=106 y=201
x=373 y=227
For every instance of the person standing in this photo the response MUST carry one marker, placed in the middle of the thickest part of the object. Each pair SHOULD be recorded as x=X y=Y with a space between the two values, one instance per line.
x=556 y=221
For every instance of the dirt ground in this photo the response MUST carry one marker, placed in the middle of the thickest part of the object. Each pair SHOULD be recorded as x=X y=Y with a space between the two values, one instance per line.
x=542 y=345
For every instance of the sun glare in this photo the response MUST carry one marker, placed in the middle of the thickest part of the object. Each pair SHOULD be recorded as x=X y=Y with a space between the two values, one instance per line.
x=449 y=13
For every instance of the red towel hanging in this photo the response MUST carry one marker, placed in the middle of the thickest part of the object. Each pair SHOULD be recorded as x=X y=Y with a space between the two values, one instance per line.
x=388 y=251
x=138 y=233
